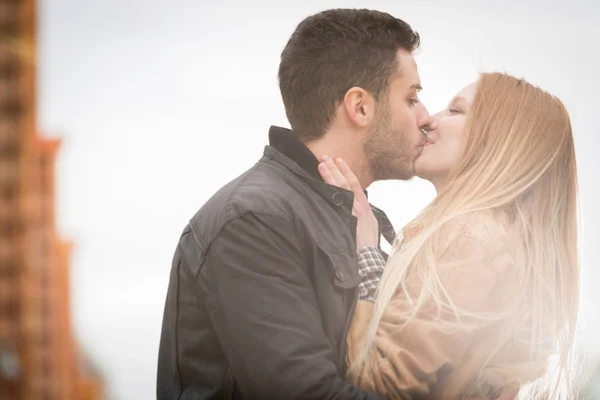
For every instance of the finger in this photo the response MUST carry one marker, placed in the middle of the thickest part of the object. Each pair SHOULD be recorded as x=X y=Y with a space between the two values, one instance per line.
x=337 y=175
x=356 y=209
x=351 y=180
x=359 y=210
x=326 y=174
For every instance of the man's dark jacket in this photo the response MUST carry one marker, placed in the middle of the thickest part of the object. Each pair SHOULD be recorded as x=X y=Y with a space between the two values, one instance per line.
x=263 y=287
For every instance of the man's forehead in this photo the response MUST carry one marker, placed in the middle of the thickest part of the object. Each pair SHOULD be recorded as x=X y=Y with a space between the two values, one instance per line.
x=406 y=58
x=406 y=61
x=408 y=71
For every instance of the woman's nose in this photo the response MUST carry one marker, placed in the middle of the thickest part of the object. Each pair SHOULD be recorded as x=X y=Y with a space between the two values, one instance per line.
x=434 y=123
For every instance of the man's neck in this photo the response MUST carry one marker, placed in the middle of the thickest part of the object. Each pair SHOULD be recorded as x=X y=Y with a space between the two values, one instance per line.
x=350 y=152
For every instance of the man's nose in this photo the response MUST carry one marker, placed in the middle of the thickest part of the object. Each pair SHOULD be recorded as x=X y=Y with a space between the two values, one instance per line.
x=428 y=122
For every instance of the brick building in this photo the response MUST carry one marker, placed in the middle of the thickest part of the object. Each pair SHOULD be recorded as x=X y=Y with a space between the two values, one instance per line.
x=39 y=358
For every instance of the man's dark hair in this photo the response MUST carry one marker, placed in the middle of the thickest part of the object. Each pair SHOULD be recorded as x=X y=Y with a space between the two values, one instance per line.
x=333 y=51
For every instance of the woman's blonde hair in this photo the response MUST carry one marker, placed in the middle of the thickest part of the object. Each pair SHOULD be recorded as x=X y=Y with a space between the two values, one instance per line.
x=517 y=172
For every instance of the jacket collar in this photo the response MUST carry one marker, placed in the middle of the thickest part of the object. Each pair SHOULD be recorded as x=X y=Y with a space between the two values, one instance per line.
x=285 y=142
x=291 y=152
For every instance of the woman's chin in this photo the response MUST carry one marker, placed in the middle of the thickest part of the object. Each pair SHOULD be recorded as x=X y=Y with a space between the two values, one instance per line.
x=422 y=168
x=426 y=171
x=429 y=167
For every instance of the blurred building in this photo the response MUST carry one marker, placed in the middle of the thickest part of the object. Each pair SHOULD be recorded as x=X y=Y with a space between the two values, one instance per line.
x=39 y=358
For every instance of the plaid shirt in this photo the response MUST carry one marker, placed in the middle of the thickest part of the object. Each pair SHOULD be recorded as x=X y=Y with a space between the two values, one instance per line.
x=370 y=268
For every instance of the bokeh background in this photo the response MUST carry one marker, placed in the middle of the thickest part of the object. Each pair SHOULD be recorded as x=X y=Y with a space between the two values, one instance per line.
x=158 y=103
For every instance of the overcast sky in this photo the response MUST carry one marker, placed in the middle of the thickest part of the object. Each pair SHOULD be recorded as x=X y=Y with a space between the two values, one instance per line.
x=160 y=102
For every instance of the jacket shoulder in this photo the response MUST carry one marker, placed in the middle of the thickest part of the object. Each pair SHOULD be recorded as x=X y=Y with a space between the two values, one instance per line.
x=264 y=189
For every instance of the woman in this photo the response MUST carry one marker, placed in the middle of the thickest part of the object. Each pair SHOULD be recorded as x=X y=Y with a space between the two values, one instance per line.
x=480 y=296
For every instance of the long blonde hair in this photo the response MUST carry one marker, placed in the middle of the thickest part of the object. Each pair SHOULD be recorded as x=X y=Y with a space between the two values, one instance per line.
x=517 y=167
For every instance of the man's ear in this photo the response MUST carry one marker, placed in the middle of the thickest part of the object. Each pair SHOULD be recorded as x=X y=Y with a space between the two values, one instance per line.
x=359 y=106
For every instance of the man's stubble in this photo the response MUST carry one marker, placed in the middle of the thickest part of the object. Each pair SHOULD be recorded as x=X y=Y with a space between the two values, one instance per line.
x=387 y=150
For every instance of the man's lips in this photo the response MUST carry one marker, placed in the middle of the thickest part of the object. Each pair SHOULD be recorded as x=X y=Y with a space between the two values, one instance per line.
x=425 y=142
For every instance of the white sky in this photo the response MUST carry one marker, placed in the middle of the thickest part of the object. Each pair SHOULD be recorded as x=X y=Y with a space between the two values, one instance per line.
x=160 y=102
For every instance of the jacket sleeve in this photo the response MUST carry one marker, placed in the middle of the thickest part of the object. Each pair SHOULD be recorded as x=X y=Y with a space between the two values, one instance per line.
x=408 y=355
x=265 y=313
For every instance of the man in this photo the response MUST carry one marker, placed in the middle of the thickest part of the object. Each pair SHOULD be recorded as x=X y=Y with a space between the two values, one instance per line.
x=264 y=279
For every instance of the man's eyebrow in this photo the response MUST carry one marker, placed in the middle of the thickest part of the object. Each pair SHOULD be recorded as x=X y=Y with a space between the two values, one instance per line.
x=417 y=87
